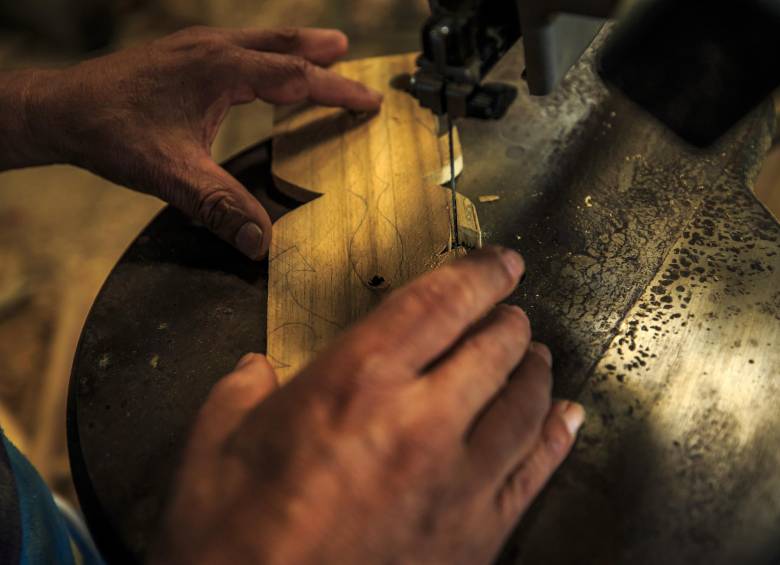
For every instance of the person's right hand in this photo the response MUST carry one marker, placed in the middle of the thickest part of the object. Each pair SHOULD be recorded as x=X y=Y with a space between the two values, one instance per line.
x=420 y=436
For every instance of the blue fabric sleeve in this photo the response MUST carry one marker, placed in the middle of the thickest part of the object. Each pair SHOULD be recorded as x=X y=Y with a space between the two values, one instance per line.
x=11 y=528
x=46 y=536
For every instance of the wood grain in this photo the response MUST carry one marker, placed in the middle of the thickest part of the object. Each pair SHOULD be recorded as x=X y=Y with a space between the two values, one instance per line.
x=383 y=218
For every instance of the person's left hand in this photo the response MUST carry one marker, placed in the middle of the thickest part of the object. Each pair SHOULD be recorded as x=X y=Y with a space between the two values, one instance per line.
x=146 y=117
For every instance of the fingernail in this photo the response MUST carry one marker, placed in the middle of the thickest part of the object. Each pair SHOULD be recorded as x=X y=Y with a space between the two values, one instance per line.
x=542 y=351
x=514 y=262
x=245 y=360
x=573 y=415
x=249 y=240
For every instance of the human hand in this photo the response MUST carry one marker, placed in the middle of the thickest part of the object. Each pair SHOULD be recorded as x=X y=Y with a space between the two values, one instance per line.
x=421 y=435
x=146 y=117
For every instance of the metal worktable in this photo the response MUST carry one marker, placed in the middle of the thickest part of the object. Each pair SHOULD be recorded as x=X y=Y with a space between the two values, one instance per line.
x=652 y=275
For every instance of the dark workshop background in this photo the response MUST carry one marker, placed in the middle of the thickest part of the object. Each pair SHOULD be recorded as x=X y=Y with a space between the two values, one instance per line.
x=62 y=230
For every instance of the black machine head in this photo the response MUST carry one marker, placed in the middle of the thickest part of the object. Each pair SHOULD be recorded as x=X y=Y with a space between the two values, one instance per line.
x=696 y=66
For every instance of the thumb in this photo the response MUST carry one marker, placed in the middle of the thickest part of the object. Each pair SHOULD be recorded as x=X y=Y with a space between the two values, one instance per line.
x=211 y=196
x=233 y=397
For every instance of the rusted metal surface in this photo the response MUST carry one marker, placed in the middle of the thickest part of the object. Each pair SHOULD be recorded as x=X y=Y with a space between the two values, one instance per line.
x=652 y=274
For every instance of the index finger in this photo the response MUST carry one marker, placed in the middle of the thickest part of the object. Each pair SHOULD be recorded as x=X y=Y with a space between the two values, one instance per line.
x=320 y=46
x=288 y=79
x=421 y=321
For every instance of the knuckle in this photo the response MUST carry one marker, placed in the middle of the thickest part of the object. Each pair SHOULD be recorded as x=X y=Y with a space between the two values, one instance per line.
x=514 y=495
x=542 y=351
x=557 y=438
x=423 y=437
x=486 y=347
x=215 y=51
x=420 y=450
x=539 y=401
x=519 y=488
x=424 y=297
x=289 y=36
x=525 y=413
x=198 y=42
x=216 y=208
x=541 y=375
x=508 y=333
x=292 y=75
x=226 y=55
x=371 y=372
x=521 y=423
x=515 y=318
x=187 y=36
x=435 y=423
x=197 y=31
x=203 y=43
x=299 y=68
x=463 y=287
x=460 y=293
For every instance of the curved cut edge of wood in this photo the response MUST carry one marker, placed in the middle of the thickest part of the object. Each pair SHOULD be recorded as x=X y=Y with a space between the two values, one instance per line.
x=296 y=129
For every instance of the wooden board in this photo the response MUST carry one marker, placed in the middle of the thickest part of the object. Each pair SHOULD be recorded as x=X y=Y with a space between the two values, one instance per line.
x=383 y=218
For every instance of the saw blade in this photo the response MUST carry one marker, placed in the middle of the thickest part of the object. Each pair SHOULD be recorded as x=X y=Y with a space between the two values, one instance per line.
x=453 y=188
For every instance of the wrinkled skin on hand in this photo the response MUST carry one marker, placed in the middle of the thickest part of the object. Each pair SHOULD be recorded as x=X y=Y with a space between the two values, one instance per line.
x=420 y=436
x=146 y=117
